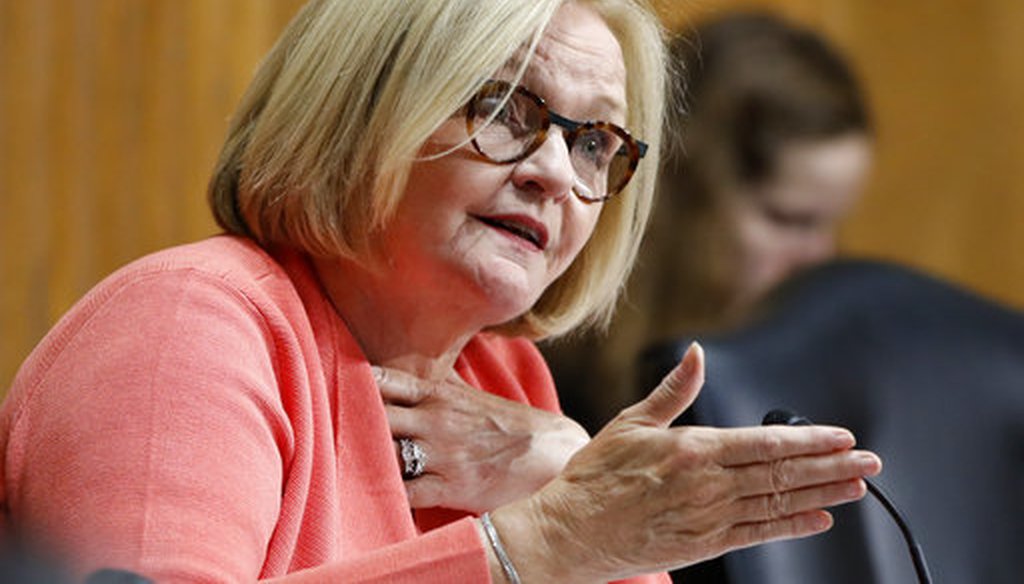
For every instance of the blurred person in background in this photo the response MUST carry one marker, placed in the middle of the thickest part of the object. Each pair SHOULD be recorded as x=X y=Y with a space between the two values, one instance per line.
x=768 y=153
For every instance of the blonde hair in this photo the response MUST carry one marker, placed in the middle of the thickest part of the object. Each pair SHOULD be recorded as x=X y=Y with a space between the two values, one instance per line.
x=320 y=148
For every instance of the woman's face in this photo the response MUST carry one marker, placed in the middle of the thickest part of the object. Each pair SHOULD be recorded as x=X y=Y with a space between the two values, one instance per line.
x=790 y=221
x=494 y=236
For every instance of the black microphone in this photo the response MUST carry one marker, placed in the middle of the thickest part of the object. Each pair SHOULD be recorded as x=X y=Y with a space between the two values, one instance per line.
x=788 y=418
x=111 y=576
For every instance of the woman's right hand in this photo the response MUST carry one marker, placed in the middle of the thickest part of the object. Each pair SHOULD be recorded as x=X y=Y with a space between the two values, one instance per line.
x=645 y=497
x=482 y=450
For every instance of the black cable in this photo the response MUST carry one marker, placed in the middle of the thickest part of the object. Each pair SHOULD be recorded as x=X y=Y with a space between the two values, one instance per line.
x=916 y=553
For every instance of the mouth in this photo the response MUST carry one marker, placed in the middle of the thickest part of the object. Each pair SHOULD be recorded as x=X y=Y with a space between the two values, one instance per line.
x=526 y=228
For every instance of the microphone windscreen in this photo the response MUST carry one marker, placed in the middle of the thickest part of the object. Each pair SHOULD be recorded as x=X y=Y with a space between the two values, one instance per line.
x=110 y=576
x=780 y=416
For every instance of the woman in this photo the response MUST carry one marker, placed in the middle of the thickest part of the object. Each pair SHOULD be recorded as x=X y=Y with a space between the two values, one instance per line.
x=402 y=220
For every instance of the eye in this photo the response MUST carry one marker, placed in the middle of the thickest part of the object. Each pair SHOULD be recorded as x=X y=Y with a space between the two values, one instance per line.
x=512 y=115
x=597 y=146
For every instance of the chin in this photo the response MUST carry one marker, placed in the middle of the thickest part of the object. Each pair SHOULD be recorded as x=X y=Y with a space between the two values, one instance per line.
x=508 y=300
x=504 y=309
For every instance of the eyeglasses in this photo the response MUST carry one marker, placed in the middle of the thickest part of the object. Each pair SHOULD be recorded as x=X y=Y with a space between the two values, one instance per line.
x=604 y=156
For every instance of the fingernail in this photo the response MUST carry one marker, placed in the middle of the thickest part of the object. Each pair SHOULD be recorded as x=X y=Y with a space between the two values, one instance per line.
x=843 y=439
x=822 y=521
x=693 y=355
x=856 y=489
x=869 y=462
x=378 y=373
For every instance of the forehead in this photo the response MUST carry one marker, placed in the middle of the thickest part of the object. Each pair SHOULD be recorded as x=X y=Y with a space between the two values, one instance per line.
x=820 y=176
x=579 y=56
x=834 y=162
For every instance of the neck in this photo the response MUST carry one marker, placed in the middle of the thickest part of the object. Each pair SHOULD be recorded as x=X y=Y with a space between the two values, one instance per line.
x=397 y=324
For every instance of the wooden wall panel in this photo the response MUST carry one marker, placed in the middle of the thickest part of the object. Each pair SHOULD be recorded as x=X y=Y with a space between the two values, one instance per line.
x=111 y=115
x=112 y=111
x=946 y=80
x=682 y=14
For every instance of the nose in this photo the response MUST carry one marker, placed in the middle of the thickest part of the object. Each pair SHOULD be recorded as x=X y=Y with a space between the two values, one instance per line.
x=548 y=171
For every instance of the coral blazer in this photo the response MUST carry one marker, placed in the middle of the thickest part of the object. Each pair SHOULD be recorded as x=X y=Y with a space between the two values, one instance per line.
x=204 y=415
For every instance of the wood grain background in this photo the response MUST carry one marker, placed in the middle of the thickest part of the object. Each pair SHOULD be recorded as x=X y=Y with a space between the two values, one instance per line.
x=112 y=112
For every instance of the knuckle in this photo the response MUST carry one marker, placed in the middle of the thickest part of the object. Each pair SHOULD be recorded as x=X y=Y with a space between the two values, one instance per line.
x=429 y=390
x=780 y=475
x=707 y=493
x=686 y=460
x=776 y=506
x=765 y=531
x=447 y=424
x=686 y=454
x=770 y=446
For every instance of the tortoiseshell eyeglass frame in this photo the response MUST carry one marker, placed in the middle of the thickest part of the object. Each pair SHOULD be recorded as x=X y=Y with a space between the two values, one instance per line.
x=632 y=148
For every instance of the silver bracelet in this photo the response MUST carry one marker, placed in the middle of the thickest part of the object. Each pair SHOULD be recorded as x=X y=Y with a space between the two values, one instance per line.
x=499 y=550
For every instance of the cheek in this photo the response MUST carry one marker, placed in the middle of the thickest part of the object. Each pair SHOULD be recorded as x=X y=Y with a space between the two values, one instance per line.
x=761 y=249
x=577 y=229
x=440 y=192
x=751 y=239
x=432 y=185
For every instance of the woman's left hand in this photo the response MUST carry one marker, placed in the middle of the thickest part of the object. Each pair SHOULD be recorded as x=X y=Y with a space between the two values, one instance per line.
x=481 y=450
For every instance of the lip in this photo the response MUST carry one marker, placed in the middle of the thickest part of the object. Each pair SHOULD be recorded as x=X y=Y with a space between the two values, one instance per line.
x=523 y=227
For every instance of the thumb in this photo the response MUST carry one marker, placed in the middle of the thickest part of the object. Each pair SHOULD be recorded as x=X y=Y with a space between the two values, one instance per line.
x=674 y=394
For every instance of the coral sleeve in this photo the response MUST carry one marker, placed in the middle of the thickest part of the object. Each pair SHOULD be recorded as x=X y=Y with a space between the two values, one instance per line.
x=151 y=433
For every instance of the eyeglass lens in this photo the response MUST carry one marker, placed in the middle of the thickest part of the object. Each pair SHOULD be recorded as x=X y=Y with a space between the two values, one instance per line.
x=602 y=154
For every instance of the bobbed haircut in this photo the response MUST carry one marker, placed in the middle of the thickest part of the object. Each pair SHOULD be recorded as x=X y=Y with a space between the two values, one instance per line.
x=319 y=151
x=751 y=83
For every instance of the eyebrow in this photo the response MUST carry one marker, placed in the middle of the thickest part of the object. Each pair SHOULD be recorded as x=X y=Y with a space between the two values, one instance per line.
x=611 y=106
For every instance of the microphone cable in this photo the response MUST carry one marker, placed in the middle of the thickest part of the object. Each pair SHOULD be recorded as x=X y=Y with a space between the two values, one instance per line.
x=788 y=418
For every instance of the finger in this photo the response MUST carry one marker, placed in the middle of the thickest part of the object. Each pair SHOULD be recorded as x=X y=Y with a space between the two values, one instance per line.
x=426 y=491
x=455 y=379
x=795 y=473
x=742 y=446
x=403 y=421
x=775 y=506
x=799 y=525
x=401 y=388
x=674 y=394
